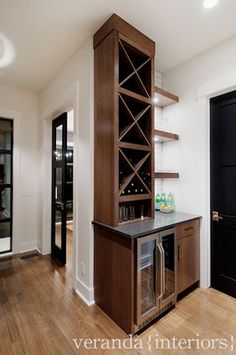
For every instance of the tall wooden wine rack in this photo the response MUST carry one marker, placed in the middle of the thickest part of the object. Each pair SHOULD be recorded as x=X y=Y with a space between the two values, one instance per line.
x=124 y=171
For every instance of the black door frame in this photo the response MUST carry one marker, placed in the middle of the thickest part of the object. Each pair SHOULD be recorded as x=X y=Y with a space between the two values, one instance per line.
x=59 y=253
x=10 y=186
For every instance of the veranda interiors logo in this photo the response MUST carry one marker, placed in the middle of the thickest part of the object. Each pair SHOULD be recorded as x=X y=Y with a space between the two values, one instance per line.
x=155 y=342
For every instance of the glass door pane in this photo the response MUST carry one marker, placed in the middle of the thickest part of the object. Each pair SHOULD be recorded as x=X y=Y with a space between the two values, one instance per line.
x=58 y=207
x=5 y=169
x=147 y=278
x=6 y=153
x=5 y=203
x=147 y=265
x=69 y=166
x=168 y=243
x=59 y=138
x=58 y=151
x=69 y=181
x=6 y=134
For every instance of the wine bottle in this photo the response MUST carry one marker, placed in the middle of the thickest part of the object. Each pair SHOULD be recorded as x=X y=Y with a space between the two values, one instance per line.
x=131 y=212
x=121 y=214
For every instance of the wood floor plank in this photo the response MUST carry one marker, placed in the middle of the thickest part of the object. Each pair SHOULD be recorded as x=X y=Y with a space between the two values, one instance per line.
x=41 y=314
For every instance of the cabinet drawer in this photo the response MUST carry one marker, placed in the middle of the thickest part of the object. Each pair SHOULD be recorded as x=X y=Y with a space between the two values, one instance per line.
x=187 y=229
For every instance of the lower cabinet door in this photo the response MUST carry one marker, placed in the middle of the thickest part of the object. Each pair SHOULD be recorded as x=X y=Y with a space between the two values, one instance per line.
x=147 y=294
x=188 y=262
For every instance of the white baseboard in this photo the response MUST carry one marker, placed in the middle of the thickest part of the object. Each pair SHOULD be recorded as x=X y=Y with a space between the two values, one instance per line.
x=39 y=247
x=24 y=247
x=87 y=294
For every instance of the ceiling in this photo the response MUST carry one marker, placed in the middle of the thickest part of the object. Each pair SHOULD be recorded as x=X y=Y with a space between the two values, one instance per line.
x=46 y=33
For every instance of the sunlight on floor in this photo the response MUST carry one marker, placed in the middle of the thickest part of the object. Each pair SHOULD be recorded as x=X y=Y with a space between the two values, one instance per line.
x=5 y=244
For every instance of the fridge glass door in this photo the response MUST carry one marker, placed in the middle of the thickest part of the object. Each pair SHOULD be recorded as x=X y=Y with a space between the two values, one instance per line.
x=169 y=265
x=147 y=300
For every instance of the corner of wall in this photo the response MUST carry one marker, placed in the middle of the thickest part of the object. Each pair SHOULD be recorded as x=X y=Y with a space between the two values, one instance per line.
x=85 y=293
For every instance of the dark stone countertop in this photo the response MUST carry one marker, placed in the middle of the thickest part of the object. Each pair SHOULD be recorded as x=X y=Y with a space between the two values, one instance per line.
x=149 y=226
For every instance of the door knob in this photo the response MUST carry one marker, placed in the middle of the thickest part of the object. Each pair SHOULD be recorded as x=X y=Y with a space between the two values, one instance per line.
x=215 y=216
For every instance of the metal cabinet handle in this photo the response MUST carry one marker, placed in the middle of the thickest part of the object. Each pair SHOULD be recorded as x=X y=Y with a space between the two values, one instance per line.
x=179 y=257
x=155 y=271
x=163 y=271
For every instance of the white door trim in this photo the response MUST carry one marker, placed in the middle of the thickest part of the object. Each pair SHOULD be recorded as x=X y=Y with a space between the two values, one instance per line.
x=64 y=102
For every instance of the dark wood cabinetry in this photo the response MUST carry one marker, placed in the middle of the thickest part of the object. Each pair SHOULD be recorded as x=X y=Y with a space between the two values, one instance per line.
x=114 y=277
x=134 y=278
x=134 y=272
x=138 y=268
x=188 y=254
x=124 y=174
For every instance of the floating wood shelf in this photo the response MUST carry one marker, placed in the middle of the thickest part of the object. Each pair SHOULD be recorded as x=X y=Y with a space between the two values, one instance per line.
x=165 y=98
x=134 y=95
x=162 y=136
x=135 y=146
x=163 y=175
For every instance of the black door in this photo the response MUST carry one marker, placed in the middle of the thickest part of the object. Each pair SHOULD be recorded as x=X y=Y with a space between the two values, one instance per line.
x=223 y=193
x=6 y=184
x=59 y=151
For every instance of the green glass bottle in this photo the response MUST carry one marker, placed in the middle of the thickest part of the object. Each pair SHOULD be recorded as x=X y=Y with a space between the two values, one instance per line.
x=163 y=199
x=157 y=202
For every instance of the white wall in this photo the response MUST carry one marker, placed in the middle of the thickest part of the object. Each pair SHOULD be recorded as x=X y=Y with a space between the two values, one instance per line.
x=158 y=147
x=208 y=74
x=79 y=70
x=24 y=106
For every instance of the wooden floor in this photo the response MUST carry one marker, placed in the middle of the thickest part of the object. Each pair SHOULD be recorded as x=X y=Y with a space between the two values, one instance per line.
x=41 y=314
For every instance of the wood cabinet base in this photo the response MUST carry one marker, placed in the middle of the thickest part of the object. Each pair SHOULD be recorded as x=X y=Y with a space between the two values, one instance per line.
x=115 y=272
x=186 y=292
x=114 y=277
x=188 y=257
